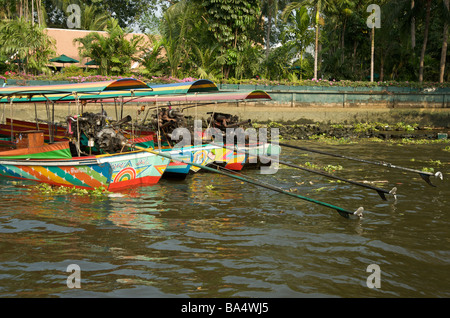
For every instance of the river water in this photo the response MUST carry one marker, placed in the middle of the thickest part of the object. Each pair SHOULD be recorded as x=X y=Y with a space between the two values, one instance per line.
x=210 y=236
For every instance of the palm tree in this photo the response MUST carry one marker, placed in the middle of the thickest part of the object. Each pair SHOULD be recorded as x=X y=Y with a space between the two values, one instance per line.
x=113 y=52
x=175 y=29
x=297 y=34
x=23 y=9
x=92 y=18
x=152 y=60
x=27 y=43
x=270 y=10
x=317 y=4
x=209 y=61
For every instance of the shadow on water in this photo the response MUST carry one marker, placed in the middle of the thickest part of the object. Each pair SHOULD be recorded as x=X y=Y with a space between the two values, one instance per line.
x=211 y=236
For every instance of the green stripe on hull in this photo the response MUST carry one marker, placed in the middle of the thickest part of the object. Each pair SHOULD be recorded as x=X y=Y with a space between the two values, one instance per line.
x=55 y=154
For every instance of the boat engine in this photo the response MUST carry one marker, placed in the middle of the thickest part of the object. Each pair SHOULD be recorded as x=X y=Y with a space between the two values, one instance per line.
x=110 y=139
x=166 y=120
x=94 y=130
x=223 y=121
x=169 y=119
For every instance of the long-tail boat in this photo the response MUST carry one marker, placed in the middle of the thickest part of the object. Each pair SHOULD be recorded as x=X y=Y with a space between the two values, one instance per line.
x=125 y=90
x=55 y=165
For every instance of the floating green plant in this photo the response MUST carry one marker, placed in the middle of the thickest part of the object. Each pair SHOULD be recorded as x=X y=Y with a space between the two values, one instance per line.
x=61 y=190
x=427 y=169
x=327 y=168
x=332 y=140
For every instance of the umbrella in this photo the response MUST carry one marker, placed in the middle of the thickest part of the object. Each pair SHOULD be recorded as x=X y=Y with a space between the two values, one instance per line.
x=91 y=62
x=63 y=59
x=17 y=61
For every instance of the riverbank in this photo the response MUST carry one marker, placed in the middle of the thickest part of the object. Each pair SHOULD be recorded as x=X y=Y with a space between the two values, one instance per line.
x=295 y=123
x=346 y=132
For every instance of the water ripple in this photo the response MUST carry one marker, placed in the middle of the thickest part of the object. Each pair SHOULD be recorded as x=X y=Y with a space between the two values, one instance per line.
x=209 y=236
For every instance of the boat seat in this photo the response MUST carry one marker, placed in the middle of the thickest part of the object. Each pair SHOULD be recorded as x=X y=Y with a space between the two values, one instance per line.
x=29 y=139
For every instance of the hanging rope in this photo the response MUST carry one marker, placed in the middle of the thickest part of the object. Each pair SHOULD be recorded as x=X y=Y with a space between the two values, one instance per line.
x=11 y=114
x=157 y=119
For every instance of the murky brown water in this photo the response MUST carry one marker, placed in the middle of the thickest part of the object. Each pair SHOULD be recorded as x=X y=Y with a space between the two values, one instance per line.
x=179 y=239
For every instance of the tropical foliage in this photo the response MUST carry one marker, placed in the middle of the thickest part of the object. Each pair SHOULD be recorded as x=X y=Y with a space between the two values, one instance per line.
x=25 y=46
x=113 y=52
x=240 y=40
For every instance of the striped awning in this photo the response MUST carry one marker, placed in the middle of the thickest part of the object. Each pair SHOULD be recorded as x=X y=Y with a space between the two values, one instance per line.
x=127 y=87
x=199 y=97
x=68 y=92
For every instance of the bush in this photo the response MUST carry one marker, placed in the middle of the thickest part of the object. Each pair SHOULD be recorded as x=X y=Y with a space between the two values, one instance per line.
x=76 y=74
x=73 y=70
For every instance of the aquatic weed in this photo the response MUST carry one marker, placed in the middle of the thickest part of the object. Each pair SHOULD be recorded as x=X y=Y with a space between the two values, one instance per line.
x=45 y=188
x=332 y=139
x=327 y=168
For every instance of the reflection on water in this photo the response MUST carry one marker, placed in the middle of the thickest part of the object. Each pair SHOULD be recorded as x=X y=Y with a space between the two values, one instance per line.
x=212 y=236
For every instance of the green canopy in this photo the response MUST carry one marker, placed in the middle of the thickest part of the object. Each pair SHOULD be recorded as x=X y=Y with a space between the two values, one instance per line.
x=91 y=62
x=63 y=59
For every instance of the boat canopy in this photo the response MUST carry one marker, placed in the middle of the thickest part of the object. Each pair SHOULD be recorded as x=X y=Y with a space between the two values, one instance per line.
x=184 y=88
x=199 y=97
x=126 y=87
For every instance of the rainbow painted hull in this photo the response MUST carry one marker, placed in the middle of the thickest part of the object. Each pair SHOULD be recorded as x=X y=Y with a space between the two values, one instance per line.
x=204 y=155
x=178 y=169
x=230 y=157
x=113 y=172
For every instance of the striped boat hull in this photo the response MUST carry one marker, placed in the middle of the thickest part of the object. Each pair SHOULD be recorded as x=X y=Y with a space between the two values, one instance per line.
x=113 y=172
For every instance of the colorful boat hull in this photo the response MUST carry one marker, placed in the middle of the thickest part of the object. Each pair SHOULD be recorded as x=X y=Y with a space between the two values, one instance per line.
x=113 y=172
x=204 y=155
x=60 y=150
x=178 y=169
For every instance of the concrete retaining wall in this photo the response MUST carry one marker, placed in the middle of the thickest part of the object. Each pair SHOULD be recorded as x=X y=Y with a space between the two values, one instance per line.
x=294 y=104
x=349 y=97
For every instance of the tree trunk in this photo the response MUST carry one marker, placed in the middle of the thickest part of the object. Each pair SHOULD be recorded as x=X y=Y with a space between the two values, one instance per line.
x=301 y=64
x=343 y=42
x=444 y=47
x=355 y=45
x=425 y=39
x=269 y=26
x=413 y=28
x=39 y=12
x=317 y=39
x=372 y=51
